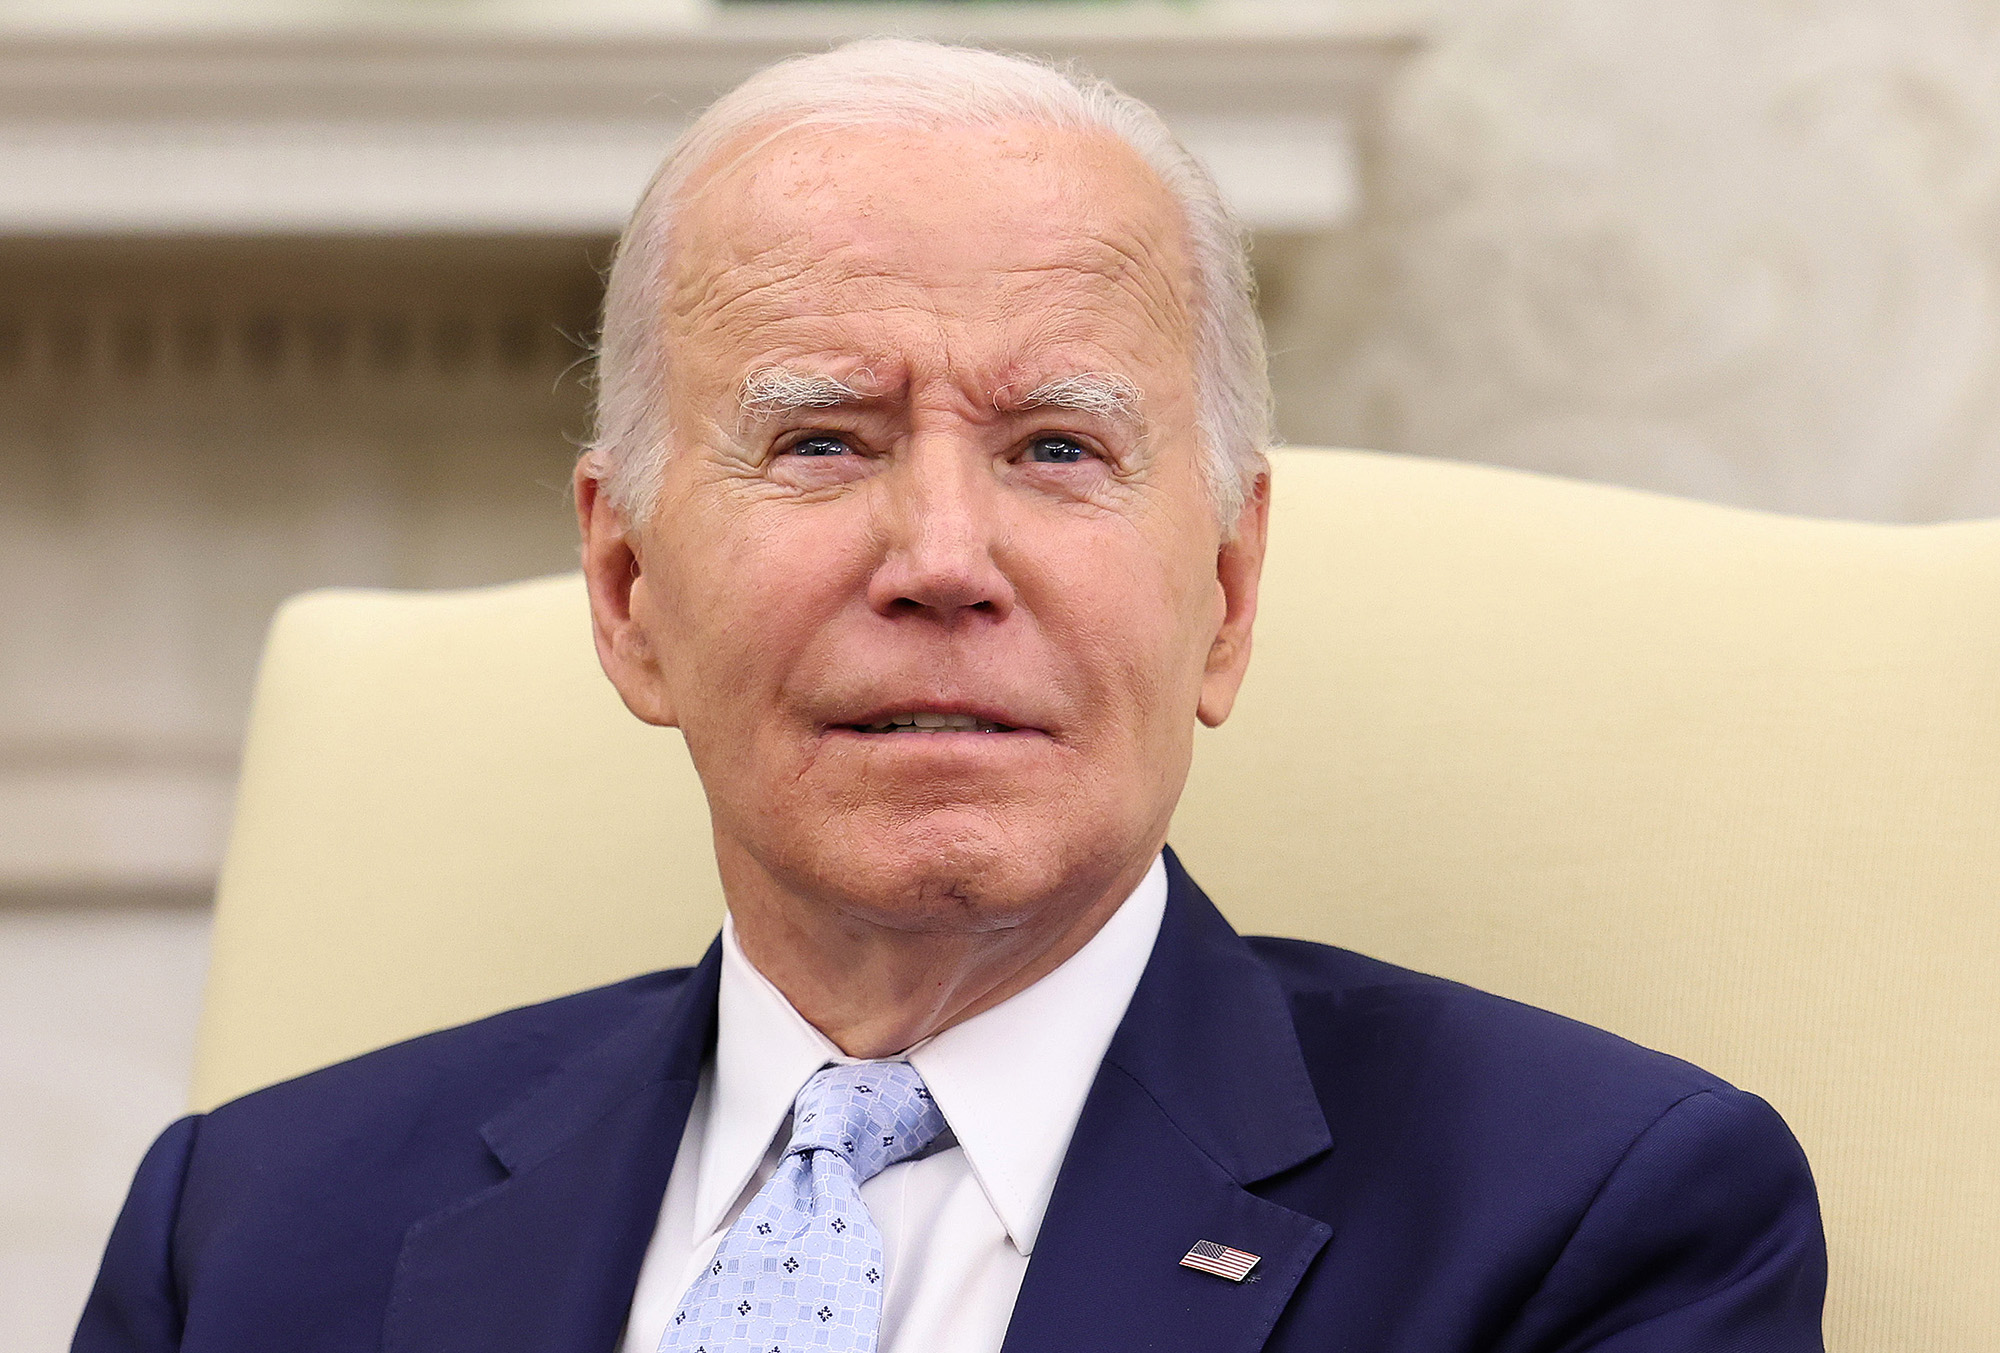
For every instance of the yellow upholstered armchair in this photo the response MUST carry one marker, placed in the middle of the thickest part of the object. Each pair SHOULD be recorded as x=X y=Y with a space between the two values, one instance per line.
x=1724 y=782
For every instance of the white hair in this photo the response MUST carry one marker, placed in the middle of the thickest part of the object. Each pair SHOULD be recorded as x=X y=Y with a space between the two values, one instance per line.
x=904 y=83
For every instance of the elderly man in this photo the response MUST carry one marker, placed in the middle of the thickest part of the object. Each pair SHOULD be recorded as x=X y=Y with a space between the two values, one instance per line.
x=928 y=503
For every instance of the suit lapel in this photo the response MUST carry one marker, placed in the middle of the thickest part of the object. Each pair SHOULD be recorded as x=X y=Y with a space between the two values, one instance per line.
x=546 y=1260
x=1202 y=1094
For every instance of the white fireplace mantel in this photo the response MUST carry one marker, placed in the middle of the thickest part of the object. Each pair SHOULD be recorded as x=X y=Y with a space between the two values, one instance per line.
x=546 y=124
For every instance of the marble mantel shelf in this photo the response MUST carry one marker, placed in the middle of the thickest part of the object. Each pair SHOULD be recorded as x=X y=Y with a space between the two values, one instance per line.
x=553 y=127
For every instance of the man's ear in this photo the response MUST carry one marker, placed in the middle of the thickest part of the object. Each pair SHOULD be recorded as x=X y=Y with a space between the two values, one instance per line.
x=614 y=573
x=1239 y=564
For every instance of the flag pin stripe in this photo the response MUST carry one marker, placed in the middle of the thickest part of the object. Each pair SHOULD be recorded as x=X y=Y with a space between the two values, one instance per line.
x=1222 y=1261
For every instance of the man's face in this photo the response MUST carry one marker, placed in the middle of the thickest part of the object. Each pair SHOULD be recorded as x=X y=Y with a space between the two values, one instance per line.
x=932 y=585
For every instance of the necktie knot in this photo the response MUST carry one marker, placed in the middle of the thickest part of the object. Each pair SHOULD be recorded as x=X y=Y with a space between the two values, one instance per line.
x=872 y=1114
x=801 y=1269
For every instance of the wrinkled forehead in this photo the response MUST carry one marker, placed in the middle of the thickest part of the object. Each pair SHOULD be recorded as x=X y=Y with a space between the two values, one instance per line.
x=1032 y=234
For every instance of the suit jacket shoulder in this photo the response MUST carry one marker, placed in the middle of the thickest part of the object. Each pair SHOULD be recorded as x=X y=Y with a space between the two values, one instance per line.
x=1532 y=1182
x=1445 y=1060
x=427 y=1086
x=300 y=1215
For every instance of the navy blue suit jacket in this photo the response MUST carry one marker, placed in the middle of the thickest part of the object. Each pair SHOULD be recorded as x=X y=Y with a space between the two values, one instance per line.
x=1423 y=1169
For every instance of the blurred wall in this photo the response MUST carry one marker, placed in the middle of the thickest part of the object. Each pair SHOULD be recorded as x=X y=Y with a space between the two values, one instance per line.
x=1741 y=250
x=96 y=1040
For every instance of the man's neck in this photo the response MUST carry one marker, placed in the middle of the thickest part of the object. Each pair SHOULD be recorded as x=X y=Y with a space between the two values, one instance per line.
x=876 y=989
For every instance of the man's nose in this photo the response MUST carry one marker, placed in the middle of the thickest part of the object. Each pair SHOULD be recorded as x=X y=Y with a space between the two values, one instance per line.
x=942 y=530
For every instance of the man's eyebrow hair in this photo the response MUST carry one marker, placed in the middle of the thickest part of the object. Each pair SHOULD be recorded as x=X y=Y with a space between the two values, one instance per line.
x=773 y=390
x=1104 y=393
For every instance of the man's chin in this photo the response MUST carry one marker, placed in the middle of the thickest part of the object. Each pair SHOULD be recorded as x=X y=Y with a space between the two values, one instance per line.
x=948 y=870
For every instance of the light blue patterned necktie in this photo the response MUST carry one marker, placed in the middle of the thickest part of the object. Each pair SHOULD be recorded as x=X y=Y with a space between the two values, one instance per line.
x=802 y=1267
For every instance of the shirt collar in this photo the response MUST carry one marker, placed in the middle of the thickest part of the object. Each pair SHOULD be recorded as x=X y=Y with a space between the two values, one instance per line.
x=764 y=1052
x=1010 y=1081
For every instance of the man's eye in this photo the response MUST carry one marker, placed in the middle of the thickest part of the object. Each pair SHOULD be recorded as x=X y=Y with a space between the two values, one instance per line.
x=818 y=446
x=1056 y=451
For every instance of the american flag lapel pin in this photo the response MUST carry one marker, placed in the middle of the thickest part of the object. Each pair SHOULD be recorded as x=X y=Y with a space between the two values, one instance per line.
x=1223 y=1262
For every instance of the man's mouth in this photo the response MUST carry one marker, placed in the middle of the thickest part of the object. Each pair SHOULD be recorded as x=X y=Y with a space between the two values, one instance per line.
x=933 y=723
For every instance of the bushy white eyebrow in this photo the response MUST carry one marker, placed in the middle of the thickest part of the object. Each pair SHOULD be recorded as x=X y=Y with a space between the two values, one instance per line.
x=773 y=390
x=1103 y=393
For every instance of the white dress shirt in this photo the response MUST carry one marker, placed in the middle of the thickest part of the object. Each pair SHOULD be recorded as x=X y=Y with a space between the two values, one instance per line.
x=959 y=1223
